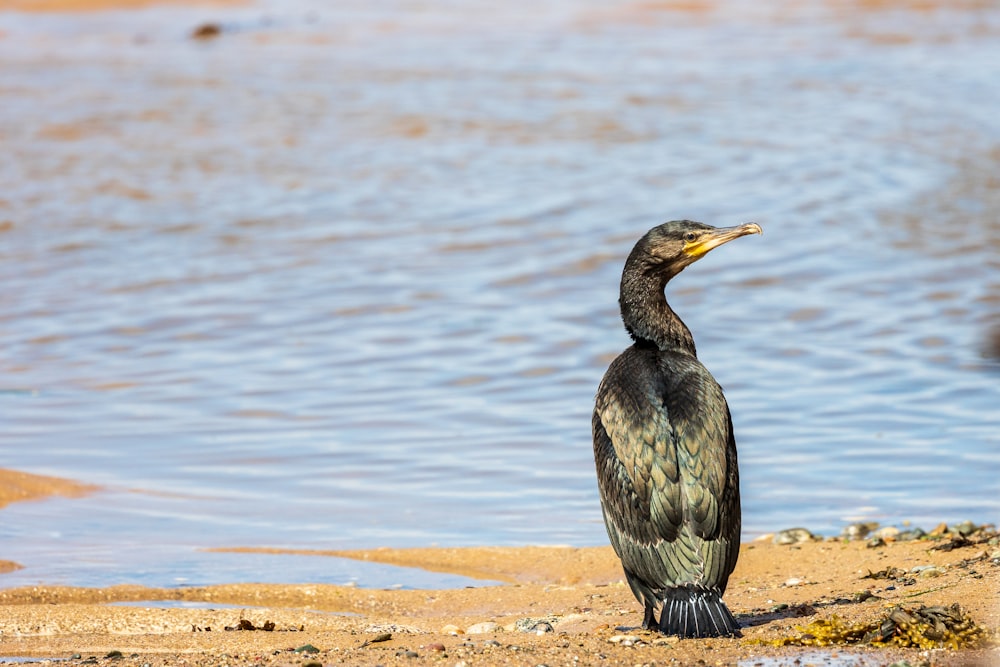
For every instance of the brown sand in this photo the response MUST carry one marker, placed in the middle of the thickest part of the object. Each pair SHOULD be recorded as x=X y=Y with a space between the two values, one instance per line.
x=17 y=486
x=589 y=611
x=578 y=590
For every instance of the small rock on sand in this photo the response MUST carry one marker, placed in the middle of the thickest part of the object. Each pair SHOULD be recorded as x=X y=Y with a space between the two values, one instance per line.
x=859 y=531
x=482 y=628
x=793 y=536
x=624 y=640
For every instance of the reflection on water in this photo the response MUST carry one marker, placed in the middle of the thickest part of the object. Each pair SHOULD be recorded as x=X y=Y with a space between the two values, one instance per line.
x=175 y=604
x=174 y=560
x=345 y=277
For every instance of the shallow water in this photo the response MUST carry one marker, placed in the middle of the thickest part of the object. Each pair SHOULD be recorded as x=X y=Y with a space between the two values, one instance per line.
x=347 y=277
x=814 y=658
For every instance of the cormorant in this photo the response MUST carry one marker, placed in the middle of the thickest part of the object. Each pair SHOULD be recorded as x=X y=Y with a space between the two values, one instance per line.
x=664 y=447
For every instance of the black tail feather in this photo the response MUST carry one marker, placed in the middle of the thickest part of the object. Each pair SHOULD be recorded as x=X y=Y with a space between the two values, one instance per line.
x=693 y=611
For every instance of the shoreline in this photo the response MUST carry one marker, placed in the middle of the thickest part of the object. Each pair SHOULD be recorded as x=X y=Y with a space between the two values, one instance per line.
x=572 y=601
x=574 y=596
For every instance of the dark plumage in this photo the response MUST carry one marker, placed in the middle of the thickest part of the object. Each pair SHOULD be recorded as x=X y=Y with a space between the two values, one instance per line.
x=664 y=447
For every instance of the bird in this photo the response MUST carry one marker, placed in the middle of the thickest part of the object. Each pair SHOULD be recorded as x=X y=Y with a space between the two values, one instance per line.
x=664 y=447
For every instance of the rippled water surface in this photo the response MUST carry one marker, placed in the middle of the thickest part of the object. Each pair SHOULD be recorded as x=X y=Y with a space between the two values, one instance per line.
x=346 y=276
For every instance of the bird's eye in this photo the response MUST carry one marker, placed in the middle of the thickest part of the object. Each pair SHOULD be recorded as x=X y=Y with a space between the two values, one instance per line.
x=690 y=236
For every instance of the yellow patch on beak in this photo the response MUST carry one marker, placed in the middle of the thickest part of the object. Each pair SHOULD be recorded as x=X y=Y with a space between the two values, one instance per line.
x=714 y=238
x=697 y=248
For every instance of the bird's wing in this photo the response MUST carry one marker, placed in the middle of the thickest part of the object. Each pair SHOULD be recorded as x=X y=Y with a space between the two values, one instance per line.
x=638 y=466
x=667 y=470
x=705 y=451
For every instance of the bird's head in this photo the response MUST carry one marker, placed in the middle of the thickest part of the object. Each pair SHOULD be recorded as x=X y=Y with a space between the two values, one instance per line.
x=666 y=249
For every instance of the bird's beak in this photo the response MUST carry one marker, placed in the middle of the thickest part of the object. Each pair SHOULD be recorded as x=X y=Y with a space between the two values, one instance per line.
x=716 y=237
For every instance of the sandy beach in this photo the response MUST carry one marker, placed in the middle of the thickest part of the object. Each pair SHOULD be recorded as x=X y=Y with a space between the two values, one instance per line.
x=555 y=605
x=559 y=605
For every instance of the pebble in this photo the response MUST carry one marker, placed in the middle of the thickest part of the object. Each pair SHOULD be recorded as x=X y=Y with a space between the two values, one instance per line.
x=862 y=596
x=939 y=530
x=794 y=581
x=435 y=647
x=452 y=630
x=860 y=530
x=911 y=534
x=482 y=628
x=624 y=640
x=887 y=533
x=537 y=625
x=875 y=543
x=965 y=528
x=793 y=536
x=926 y=571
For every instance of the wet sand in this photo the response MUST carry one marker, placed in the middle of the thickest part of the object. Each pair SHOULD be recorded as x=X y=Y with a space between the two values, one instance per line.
x=578 y=591
x=18 y=486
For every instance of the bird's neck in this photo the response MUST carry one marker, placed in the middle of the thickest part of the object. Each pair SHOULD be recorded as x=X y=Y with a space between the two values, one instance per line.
x=648 y=317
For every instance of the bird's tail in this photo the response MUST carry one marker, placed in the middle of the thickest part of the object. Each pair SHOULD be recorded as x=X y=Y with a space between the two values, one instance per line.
x=693 y=611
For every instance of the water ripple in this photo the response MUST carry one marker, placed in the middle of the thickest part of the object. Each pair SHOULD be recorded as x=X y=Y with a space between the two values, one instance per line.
x=336 y=284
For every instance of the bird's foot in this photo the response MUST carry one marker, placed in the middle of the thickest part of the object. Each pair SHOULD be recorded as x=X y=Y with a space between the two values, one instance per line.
x=649 y=621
